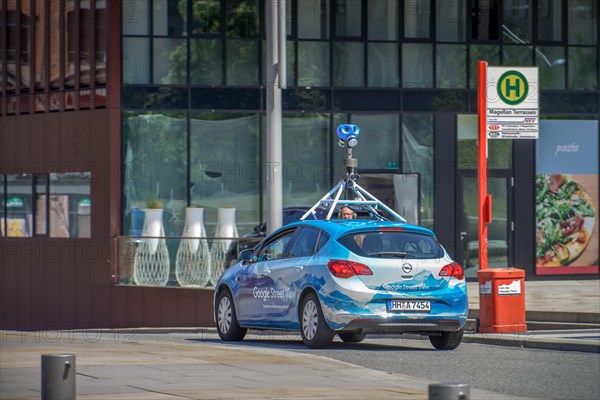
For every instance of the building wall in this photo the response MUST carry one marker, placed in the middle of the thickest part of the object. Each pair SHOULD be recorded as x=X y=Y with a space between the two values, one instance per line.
x=66 y=283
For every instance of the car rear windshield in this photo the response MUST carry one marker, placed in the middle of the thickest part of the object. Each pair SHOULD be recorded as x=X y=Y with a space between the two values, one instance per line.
x=392 y=244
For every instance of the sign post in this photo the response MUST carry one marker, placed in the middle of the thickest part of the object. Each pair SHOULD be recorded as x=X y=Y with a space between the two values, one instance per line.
x=507 y=109
x=484 y=200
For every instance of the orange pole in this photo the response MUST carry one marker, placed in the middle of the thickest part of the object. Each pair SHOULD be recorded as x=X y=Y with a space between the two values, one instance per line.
x=482 y=170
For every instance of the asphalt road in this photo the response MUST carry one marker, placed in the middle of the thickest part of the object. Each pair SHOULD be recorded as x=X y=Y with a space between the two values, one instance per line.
x=515 y=371
x=545 y=374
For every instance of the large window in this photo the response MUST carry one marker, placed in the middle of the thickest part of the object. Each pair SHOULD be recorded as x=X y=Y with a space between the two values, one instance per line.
x=313 y=63
x=313 y=19
x=56 y=205
x=382 y=19
x=583 y=22
x=517 y=20
x=348 y=64
x=224 y=166
x=306 y=139
x=383 y=65
x=379 y=147
x=484 y=19
x=155 y=165
x=348 y=18
x=417 y=156
x=417 y=18
x=499 y=151
x=451 y=20
x=451 y=62
x=417 y=65
x=550 y=20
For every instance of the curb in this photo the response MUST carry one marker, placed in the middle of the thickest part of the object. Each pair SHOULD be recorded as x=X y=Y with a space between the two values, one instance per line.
x=526 y=340
x=553 y=316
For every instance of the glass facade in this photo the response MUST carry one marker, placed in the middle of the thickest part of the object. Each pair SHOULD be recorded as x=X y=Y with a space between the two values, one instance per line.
x=193 y=94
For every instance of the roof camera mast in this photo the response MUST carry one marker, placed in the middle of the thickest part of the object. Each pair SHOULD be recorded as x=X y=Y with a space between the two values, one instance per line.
x=347 y=186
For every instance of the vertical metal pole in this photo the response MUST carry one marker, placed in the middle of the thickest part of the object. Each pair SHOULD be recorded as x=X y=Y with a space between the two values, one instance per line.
x=482 y=167
x=58 y=377
x=274 y=165
x=282 y=43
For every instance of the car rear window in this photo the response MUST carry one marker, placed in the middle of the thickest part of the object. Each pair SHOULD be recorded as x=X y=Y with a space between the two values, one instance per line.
x=392 y=244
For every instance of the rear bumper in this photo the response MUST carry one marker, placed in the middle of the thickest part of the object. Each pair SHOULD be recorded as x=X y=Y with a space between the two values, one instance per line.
x=424 y=326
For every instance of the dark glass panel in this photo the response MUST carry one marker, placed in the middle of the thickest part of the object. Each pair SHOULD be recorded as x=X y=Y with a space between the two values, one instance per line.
x=550 y=19
x=169 y=18
x=226 y=98
x=417 y=19
x=242 y=18
x=306 y=99
x=366 y=100
x=484 y=20
x=517 y=21
x=561 y=102
x=583 y=21
x=206 y=16
x=348 y=18
x=583 y=68
x=152 y=97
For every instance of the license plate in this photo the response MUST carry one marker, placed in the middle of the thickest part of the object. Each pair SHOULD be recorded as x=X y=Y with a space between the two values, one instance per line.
x=409 y=305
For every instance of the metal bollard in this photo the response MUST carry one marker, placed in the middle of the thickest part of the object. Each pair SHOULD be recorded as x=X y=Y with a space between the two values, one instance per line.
x=58 y=376
x=449 y=391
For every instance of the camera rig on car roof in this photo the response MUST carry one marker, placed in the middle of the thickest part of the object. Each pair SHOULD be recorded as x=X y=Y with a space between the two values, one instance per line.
x=347 y=186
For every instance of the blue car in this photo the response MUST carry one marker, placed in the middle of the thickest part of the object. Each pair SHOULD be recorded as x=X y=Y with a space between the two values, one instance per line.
x=345 y=277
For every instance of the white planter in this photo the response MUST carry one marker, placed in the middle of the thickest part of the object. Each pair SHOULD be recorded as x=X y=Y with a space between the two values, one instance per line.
x=226 y=230
x=153 y=227
x=192 y=264
x=151 y=262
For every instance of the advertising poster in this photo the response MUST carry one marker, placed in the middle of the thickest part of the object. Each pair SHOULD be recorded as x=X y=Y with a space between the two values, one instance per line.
x=567 y=198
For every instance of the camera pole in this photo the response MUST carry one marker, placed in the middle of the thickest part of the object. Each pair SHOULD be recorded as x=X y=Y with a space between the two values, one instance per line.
x=348 y=135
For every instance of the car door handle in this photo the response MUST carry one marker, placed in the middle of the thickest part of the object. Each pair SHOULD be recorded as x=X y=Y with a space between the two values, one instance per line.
x=299 y=268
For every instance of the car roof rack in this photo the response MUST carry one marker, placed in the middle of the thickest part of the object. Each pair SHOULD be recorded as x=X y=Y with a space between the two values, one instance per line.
x=347 y=192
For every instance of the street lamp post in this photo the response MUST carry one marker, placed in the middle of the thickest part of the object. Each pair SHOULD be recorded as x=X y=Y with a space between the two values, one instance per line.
x=276 y=81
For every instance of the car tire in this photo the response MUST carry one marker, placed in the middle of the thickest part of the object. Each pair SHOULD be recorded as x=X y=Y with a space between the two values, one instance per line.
x=228 y=327
x=316 y=334
x=447 y=340
x=353 y=337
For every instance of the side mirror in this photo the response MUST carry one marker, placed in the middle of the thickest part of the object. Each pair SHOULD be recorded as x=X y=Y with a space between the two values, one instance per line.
x=247 y=256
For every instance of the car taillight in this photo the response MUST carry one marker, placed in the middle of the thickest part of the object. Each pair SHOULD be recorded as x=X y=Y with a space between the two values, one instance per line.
x=346 y=269
x=454 y=269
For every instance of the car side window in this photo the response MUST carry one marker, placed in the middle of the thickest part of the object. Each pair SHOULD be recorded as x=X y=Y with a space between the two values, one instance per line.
x=275 y=249
x=304 y=244
x=323 y=238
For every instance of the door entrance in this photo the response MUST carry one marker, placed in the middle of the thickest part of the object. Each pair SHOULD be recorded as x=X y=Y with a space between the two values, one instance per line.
x=499 y=230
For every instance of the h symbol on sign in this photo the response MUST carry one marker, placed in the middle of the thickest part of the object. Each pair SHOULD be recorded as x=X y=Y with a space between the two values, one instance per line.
x=508 y=87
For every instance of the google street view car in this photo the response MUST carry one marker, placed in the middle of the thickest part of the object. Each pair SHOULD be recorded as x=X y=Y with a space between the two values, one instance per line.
x=345 y=277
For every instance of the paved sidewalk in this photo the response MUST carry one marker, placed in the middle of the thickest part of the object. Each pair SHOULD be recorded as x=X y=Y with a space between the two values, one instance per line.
x=555 y=300
x=109 y=368
x=551 y=307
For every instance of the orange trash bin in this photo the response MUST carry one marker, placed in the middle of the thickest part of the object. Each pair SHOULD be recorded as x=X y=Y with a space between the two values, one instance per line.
x=502 y=300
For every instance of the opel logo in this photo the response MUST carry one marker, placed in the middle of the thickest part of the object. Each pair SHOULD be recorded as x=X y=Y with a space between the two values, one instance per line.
x=406 y=267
